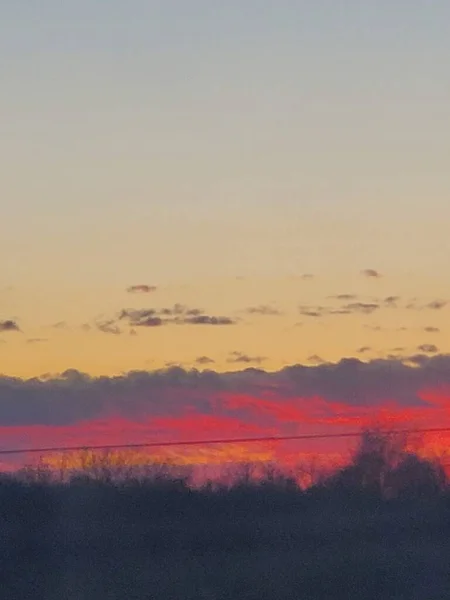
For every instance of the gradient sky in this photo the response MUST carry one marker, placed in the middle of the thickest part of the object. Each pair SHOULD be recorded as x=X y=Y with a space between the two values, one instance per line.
x=276 y=174
x=183 y=145
x=223 y=186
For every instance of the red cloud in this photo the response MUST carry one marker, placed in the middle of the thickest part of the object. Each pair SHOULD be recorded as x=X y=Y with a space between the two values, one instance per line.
x=179 y=406
x=249 y=417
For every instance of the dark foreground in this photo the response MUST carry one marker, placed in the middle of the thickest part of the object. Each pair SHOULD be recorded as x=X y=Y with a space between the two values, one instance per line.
x=378 y=529
x=161 y=540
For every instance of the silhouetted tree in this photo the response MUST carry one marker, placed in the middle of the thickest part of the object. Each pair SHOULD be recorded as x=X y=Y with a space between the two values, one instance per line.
x=383 y=465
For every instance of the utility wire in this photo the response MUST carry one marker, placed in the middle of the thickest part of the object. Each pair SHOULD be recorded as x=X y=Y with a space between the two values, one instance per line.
x=244 y=440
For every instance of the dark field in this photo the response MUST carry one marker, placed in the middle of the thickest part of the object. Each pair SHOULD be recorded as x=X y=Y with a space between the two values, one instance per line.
x=268 y=540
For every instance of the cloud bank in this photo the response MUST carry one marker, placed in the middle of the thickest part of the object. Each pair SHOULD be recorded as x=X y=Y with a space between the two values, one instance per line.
x=180 y=405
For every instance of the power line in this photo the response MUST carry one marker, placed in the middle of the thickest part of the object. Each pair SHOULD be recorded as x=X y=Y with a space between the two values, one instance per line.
x=245 y=440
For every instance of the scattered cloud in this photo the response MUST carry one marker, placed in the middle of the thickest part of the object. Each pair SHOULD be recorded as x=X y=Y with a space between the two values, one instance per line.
x=433 y=305
x=436 y=304
x=364 y=349
x=263 y=309
x=307 y=276
x=136 y=315
x=141 y=289
x=239 y=357
x=428 y=348
x=60 y=325
x=206 y=320
x=204 y=360
x=178 y=314
x=346 y=297
x=314 y=358
x=310 y=312
x=141 y=317
x=109 y=327
x=365 y=308
x=36 y=340
x=361 y=307
x=149 y=322
x=180 y=309
x=9 y=325
x=391 y=301
x=371 y=273
x=431 y=329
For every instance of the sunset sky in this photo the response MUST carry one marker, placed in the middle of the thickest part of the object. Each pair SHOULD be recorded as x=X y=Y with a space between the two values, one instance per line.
x=221 y=186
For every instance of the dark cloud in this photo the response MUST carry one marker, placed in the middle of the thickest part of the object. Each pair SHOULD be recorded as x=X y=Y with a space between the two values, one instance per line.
x=204 y=360
x=141 y=318
x=263 y=309
x=177 y=314
x=109 y=327
x=364 y=349
x=180 y=309
x=313 y=311
x=436 y=304
x=149 y=322
x=371 y=273
x=362 y=307
x=345 y=297
x=141 y=289
x=60 y=325
x=9 y=325
x=310 y=313
x=428 y=348
x=347 y=309
x=431 y=329
x=206 y=320
x=347 y=387
x=391 y=301
x=433 y=305
x=239 y=357
x=136 y=315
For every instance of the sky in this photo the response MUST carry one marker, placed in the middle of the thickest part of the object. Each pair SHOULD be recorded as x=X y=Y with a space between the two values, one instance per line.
x=221 y=186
